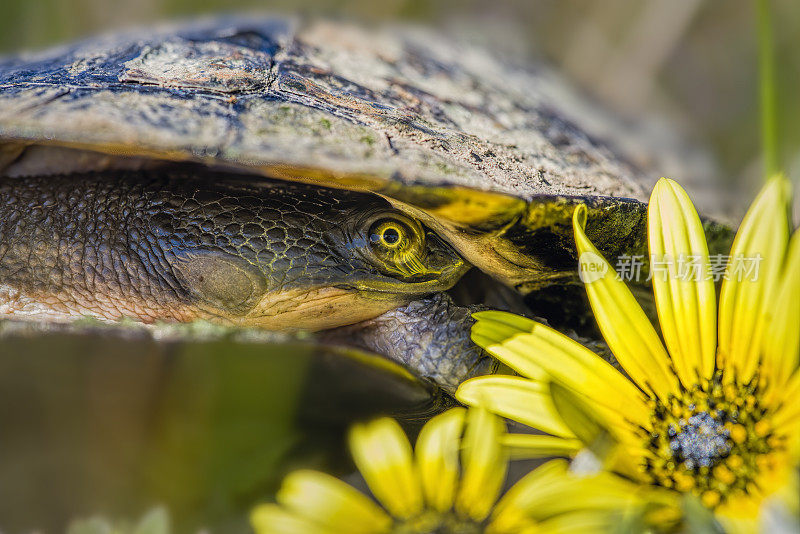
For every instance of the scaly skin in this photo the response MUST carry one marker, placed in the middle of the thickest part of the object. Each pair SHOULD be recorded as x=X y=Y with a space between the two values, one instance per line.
x=419 y=334
x=177 y=246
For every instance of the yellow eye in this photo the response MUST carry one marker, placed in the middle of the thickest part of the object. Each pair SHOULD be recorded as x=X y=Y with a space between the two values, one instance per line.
x=389 y=234
x=397 y=245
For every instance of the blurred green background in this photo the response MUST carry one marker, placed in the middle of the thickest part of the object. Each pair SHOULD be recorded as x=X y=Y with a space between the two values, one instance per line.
x=693 y=61
x=108 y=421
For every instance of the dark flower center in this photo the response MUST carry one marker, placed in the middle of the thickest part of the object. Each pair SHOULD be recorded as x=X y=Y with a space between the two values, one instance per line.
x=700 y=441
x=711 y=440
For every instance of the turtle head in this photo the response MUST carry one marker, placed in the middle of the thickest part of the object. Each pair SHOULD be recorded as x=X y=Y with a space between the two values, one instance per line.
x=180 y=245
x=292 y=256
x=405 y=257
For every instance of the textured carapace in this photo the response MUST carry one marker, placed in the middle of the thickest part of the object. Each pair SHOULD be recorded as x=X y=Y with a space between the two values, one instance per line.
x=469 y=156
x=492 y=156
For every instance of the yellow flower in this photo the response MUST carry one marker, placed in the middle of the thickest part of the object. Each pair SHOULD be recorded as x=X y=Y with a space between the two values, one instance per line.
x=714 y=410
x=450 y=483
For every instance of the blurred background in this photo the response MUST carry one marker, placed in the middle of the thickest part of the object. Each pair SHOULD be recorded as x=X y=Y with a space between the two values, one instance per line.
x=209 y=429
x=105 y=422
x=692 y=61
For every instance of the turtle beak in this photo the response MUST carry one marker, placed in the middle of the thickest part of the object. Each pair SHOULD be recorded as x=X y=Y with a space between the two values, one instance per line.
x=443 y=264
x=438 y=269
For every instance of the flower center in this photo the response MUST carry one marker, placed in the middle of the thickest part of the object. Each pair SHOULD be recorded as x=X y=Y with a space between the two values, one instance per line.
x=712 y=440
x=431 y=522
x=702 y=440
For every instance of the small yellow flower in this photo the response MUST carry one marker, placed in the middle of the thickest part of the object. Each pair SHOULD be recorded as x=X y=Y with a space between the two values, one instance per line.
x=714 y=410
x=450 y=483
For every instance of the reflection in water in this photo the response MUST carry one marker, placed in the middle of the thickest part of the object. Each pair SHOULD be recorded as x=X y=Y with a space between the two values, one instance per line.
x=99 y=422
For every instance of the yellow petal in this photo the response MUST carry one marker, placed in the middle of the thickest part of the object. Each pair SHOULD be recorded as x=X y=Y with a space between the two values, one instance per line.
x=686 y=301
x=581 y=522
x=437 y=450
x=788 y=414
x=627 y=459
x=531 y=446
x=740 y=515
x=585 y=422
x=532 y=348
x=782 y=341
x=519 y=503
x=523 y=527
x=383 y=454
x=330 y=503
x=273 y=519
x=516 y=398
x=624 y=325
x=484 y=462
x=492 y=328
x=744 y=298
x=555 y=491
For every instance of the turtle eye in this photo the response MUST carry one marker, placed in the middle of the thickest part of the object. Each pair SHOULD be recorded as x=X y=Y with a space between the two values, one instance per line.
x=397 y=243
x=389 y=234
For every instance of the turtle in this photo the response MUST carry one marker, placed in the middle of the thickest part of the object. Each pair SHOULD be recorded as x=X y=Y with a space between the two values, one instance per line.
x=304 y=175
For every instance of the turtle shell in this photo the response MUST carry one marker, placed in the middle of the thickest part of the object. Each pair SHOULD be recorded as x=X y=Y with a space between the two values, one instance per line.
x=491 y=155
